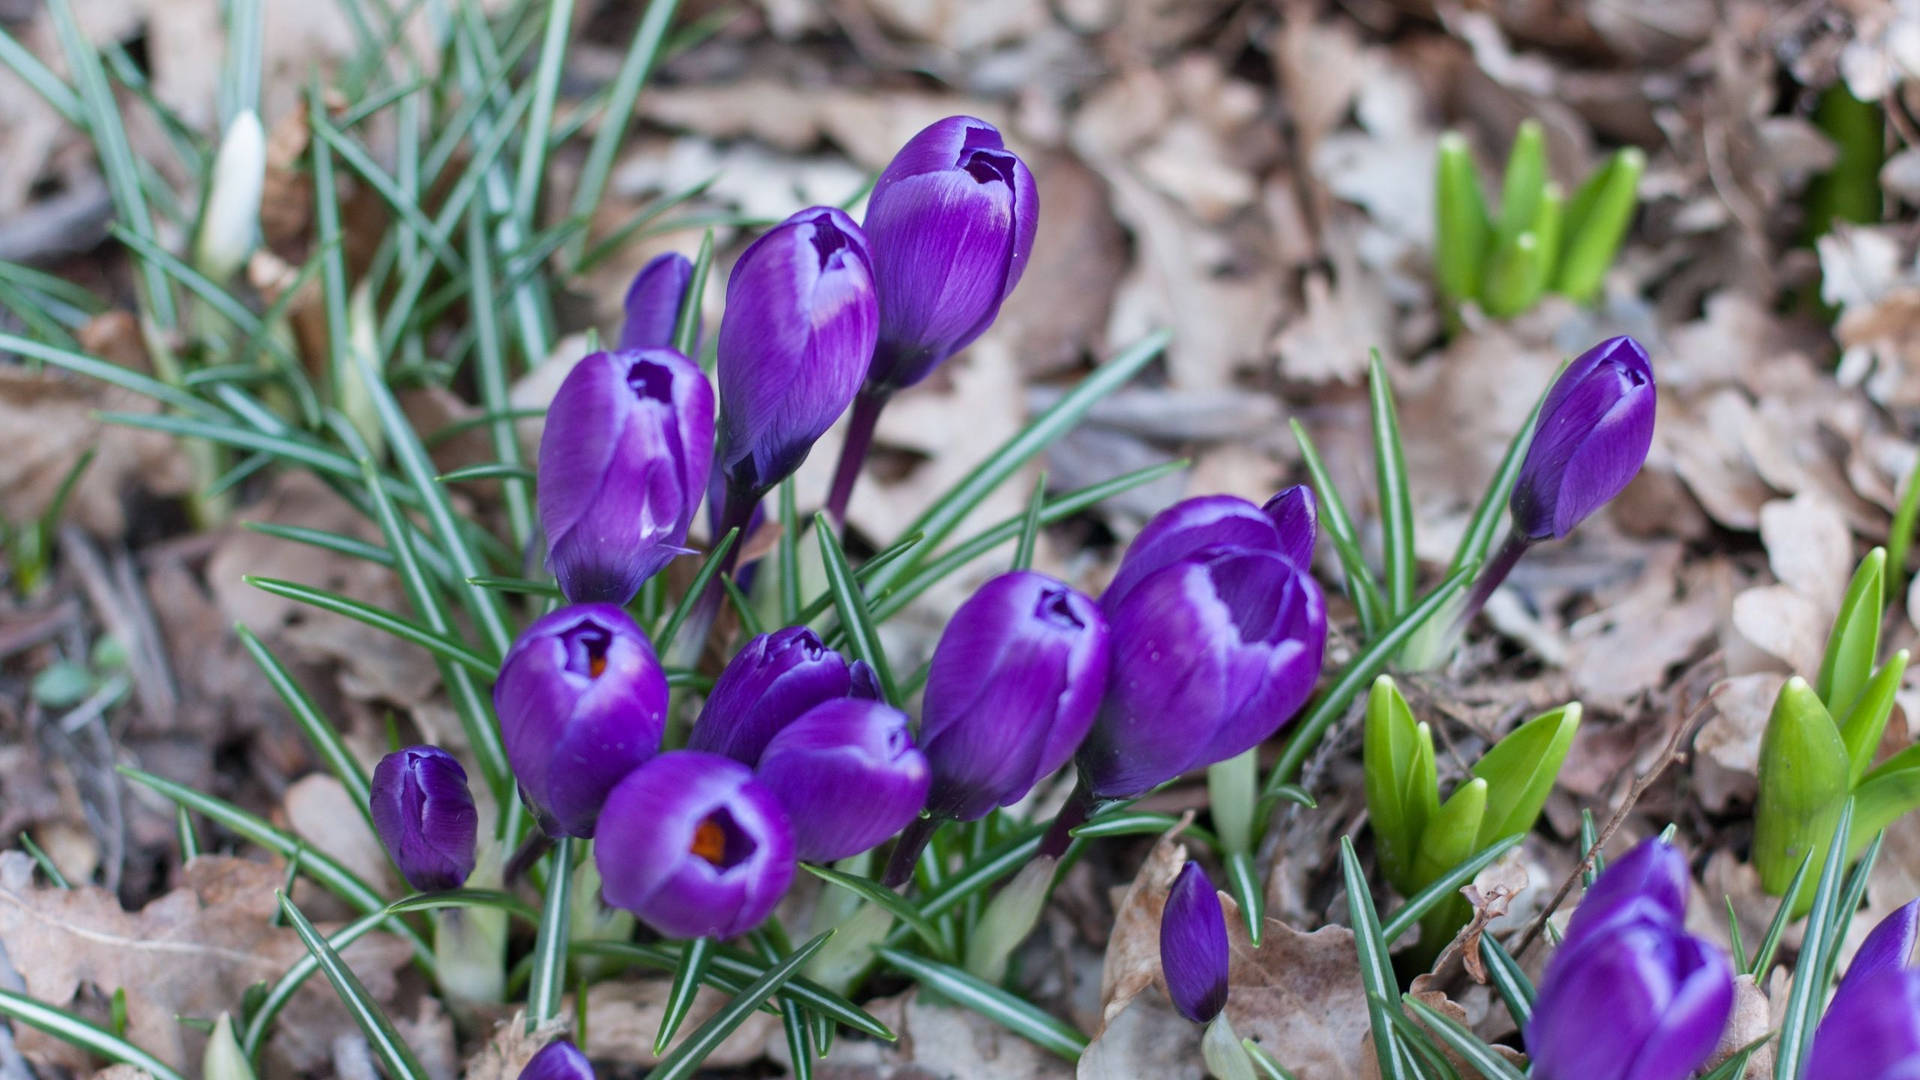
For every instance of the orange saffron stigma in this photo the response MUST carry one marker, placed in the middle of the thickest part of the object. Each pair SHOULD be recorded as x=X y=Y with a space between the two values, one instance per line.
x=596 y=666
x=709 y=842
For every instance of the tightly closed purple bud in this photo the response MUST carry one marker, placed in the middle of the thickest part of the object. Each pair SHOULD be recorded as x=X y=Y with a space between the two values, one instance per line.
x=795 y=344
x=1193 y=946
x=1888 y=947
x=1630 y=995
x=1648 y=882
x=558 y=1060
x=1872 y=1027
x=1286 y=525
x=653 y=303
x=623 y=467
x=1211 y=654
x=582 y=701
x=1014 y=683
x=848 y=774
x=769 y=684
x=1595 y=427
x=425 y=816
x=952 y=220
x=695 y=846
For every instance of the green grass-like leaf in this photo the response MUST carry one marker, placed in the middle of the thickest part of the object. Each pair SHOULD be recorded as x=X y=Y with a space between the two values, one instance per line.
x=319 y=731
x=260 y=1020
x=1249 y=891
x=492 y=899
x=1396 y=498
x=380 y=619
x=1445 y=887
x=1509 y=981
x=1142 y=823
x=696 y=592
x=635 y=67
x=730 y=971
x=1362 y=589
x=886 y=898
x=1011 y=1012
x=689 y=1055
x=1376 y=969
x=1763 y=959
x=84 y=1034
x=549 y=978
x=386 y=1042
x=1465 y=1043
x=687 y=976
x=1823 y=933
x=856 y=621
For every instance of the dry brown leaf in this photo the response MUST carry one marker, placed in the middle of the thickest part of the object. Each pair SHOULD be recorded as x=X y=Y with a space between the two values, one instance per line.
x=1809 y=547
x=937 y=1042
x=1300 y=997
x=320 y=811
x=622 y=1018
x=192 y=952
x=1752 y=1019
x=1728 y=760
x=1784 y=624
x=508 y=1049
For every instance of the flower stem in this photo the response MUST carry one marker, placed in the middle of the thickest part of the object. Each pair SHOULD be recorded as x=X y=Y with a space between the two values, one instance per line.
x=906 y=852
x=1072 y=816
x=1491 y=575
x=853 y=452
x=691 y=640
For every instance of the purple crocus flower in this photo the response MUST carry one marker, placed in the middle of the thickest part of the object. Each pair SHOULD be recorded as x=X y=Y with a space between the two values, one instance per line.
x=1014 y=683
x=582 y=701
x=1872 y=1027
x=769 y=684
x=1630 y=995
x=1286 y=525
x=952 y=220
x=849 y=775
x=1193 y=946
x=1212 y=653
x=653 y=303
x=623 y=466
x=695 y=846
x=1595 y=427
x=558 y=1060
x=794 y=346
x=425 y=817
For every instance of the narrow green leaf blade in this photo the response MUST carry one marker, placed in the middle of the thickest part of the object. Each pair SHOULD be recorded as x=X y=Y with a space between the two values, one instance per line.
x=1461 y=225
x=1396 y=499
x=689 y=1055
x=549 y=979
x=855 y=619
x=1520 y=771
x=893 y=902
x=1376 y=970
x=686 y=982
x=84 y=1034
x=1011 y=1012
x=1854 y=641
x=386 y=1042
x=1809 y=989
x=1362 y=589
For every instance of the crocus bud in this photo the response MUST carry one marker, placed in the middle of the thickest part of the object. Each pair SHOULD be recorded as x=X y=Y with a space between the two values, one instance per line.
x=1193 y=946
x=695 y=846
x=769 y=684
x=558 y=1060
x=230 y=226
x=1286 y=525
x=952 y=220
x=1211 y=655
x=795 y=344
x=1595 y=427
x=582 y=701
x=1630 y=995
x=1872 y=1027
x=849 y=775
x=425 y=816
x=1648 y=882
x=653 y=303
x=623 y=467
x=1014 y=683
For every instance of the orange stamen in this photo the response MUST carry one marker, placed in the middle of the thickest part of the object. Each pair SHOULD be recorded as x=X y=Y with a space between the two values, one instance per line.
x=596 y=666
x=709 y=842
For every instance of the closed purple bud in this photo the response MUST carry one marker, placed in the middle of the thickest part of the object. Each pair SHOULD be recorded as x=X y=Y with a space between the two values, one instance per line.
x=425 y=816
x=1638 y=999
x=695 y=846
x=952 y=221
x=582 y=701
x=1211 y=655
x=1648 y=882
x=623 y=467
x=558 y=1060
x=1286 y=525
x=1888 y=947
x=795 y=344
x=769 y=684
x=848 y=774
x=1013 y=686
x=653 y=303
x=1871 y=1031
x=1193 y=946
x=1595 y=427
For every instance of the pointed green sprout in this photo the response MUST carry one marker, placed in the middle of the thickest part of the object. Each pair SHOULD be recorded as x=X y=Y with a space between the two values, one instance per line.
x=1596 y=223
x=1461 y=226
x=1402 y=792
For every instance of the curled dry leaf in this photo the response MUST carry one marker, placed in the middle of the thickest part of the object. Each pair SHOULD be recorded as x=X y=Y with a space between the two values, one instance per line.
x=937 y=1042
x=1751 y=1020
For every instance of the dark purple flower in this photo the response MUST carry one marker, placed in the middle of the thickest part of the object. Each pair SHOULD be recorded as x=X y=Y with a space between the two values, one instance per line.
x=1872 y=1027
x=653 y=303
x=623 y=467
x=1286 y=525
x=581 y=701
x=695 y=846
x=1648 y=882
x=794 y=345
x=558 y=1060
x=1630 y=995
x=1888 y=947
x=1211 y=654
x=425 y=816
x=1015 y=681
x=1193 y=946
x=849 y=775
x=952 y=221
x=768 y=685
x=1595 y=427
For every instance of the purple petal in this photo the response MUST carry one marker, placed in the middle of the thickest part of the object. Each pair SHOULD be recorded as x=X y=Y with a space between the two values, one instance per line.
x=767 y=685
x=1593 y=433
x=1193 y=946
x=1872 y=1032
x=1296 y=515
x=1187 y=528
x=815 y=764
x=1635 y=1000
x=1889 y=946
x=1648 y=882
x=424 y=815
x=653 y=303
x=695 y=846
x=940 y=145
x=559 y=1060
x=1690 y=1026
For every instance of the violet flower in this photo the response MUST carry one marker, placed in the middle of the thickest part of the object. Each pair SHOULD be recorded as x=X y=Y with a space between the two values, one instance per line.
x=849 y=775
x=1287 y=524
x=558 y=1060
x=582 y=701
x=694 y=846
x=425 y=816
x=1193 y=946
x=1630 y=995
x=1872 y=1027
x=653 y=303
x=1595 y=427
x=769 y=684
x=623 y=467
